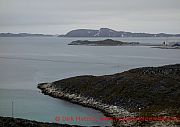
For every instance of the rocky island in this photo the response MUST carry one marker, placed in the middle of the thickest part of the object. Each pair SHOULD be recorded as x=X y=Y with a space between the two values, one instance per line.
x=147 y=91
x=107 y=42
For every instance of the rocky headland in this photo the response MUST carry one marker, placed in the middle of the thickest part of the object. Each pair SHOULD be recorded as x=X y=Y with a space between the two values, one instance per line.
x=147 y=91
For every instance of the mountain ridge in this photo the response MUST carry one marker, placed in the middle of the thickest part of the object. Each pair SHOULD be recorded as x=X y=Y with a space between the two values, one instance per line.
x=106 y=32
x=102 y=32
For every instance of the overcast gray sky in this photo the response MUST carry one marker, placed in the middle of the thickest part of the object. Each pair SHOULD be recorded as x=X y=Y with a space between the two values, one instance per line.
x=61 y=16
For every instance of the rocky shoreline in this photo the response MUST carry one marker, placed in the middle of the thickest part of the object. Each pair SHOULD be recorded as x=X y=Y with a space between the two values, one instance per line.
x=108 y=110
x=137 y=92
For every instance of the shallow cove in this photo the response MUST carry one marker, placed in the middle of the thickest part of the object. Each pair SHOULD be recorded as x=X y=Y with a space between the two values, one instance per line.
x=33 y=105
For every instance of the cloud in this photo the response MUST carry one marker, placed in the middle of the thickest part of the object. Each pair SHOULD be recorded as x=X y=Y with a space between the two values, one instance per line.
x=49 y=15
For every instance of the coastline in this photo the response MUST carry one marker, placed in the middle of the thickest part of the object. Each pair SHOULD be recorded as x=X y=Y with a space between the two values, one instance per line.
x=139 y=92
x=108 y=110
x=167 y=47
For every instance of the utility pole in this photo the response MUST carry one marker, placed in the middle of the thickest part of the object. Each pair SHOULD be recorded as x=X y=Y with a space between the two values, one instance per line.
x=12 y=109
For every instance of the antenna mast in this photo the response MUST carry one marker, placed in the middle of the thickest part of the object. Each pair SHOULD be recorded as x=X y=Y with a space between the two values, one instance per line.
x=12 y=109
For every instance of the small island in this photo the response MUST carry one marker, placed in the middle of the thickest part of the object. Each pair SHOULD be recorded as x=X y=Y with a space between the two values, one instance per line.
x=110 y=42
x=107 y=42
x=140 y=92
x=170 y=45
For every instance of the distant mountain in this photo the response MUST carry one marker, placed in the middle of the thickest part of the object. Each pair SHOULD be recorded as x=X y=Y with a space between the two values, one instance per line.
x=102 y=32
x=106 y=32
x=22 y=35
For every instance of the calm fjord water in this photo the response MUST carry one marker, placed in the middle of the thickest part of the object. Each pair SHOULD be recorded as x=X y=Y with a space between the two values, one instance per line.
x=25 y=62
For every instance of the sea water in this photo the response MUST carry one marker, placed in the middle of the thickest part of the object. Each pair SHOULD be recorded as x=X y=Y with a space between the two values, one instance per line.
x=27 y=61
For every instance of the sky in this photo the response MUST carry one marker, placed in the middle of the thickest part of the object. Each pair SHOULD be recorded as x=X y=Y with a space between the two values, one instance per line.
x=61 y=16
